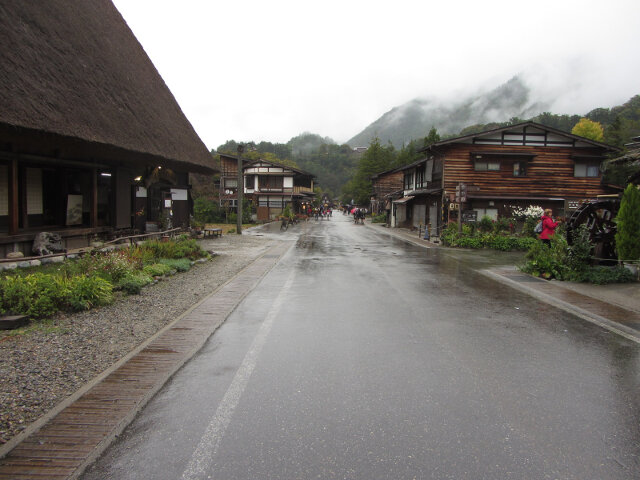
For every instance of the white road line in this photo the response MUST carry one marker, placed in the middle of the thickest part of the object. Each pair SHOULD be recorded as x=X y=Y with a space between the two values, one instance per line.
x=208 y=446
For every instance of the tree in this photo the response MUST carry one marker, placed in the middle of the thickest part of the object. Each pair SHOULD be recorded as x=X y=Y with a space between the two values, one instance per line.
x=376 y=159
x=589 y=129
x=628 y=225
x=432 y=137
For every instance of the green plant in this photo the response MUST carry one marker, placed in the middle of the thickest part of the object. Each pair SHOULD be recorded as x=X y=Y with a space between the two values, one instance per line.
x=37 y=295
x=207 y=211
x=485 y=224
x=508 y=243
x=183 y=247
x=529 y=225
x=178 y=264
x=88 y=292
x=112 y=266
x=601 y=275
x=140 y=255
x=579 y=253
x=133 y=283
x=381 y=218
x=157 y=270
x=503 y=224
x=628 y=225
x=449 y=235
x=547 y=261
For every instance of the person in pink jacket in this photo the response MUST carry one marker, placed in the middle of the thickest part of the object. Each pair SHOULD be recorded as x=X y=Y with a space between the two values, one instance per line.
x=548 y=227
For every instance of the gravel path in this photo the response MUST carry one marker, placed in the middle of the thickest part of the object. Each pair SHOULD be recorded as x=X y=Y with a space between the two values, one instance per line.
x=46 y=364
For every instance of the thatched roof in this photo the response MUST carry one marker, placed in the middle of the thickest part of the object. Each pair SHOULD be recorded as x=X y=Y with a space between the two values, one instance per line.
x=74 y=69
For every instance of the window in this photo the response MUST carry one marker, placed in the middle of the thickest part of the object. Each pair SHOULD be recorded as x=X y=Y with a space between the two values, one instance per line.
x=420 y=178
x=249 y=182
x=489 y=212
x=230 y=183
x=486 y=166
x=586 y=170
x=519 y=169
x=270 y=183
x=408 y=181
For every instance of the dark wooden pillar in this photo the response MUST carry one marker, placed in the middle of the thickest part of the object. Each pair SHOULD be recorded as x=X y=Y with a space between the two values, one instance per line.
x=94 y=198
x=13 y=197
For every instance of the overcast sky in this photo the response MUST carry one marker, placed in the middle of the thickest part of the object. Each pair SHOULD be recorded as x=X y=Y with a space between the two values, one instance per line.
x=272 y=69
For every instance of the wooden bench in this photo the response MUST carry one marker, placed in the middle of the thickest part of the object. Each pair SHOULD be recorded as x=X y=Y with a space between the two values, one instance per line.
x=210 y=230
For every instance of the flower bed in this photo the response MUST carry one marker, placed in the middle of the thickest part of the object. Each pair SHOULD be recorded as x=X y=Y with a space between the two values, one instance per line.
x=90 y=281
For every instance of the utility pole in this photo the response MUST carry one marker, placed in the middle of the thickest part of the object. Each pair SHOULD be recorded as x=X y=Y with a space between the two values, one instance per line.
x=240 y=190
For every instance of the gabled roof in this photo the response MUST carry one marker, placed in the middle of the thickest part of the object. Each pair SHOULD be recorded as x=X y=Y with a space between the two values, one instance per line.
x=515 y=129
x=386 y=172
x=281 y=165
x=74 y=69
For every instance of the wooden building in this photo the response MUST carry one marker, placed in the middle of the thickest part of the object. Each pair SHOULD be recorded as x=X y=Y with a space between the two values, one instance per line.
x=269 y=186
x=91 y=139
x=514 y=166
x=386 y=186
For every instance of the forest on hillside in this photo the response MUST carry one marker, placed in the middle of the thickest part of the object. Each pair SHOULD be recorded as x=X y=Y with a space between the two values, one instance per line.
x=342 y=173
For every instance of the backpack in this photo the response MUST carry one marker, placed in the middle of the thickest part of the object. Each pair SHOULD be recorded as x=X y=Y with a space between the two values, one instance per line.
x=538 y=227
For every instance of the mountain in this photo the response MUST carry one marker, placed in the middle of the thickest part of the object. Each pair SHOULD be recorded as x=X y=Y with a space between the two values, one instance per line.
x=414 y=119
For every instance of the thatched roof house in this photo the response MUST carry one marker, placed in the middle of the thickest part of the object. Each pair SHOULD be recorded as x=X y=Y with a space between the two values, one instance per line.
x=82 y=105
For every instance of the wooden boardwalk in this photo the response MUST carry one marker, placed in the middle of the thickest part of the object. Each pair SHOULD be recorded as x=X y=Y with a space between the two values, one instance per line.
x=75 y=437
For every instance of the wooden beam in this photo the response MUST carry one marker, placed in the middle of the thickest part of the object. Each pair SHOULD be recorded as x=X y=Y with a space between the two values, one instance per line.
x=13 y=197
x=94 y=198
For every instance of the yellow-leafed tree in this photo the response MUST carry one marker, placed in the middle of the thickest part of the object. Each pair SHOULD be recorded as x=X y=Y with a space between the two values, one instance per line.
x=589 y=129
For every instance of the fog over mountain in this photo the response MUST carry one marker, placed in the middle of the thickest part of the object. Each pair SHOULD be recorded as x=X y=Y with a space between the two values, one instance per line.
x=415 y=118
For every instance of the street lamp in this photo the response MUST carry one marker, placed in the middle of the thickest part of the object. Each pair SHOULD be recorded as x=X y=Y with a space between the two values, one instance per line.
x=240 y=190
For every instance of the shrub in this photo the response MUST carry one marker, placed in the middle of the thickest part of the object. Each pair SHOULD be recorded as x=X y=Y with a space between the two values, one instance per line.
x=547 y=262
x=579 y=253
x=449 y=235
x=180 y=264
x=37 y=295
x=485 y=224
x=88 y=292
x=207 y=211
x=628 y=225
x=529 y=224
x=602 y=275
x=112 y=266
x=133 y=283
x=141 y=256
x=183 y=247
x=381 y=218
x=508 y=243
x=157 y=270
x=503 y=224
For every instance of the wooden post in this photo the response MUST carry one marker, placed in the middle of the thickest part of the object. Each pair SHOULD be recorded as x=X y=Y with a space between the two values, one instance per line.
x=94 y=198
x=13 y=197
x=240 y=190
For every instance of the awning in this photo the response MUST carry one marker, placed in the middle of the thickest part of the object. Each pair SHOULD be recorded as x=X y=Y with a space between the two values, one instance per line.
x=403 y=200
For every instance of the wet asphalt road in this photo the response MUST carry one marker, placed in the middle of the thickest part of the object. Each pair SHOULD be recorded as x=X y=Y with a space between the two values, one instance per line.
x=361 y=357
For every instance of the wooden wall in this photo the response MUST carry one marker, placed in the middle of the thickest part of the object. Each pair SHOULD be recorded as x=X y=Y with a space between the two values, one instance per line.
x=387 y=183
x=550 y=172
